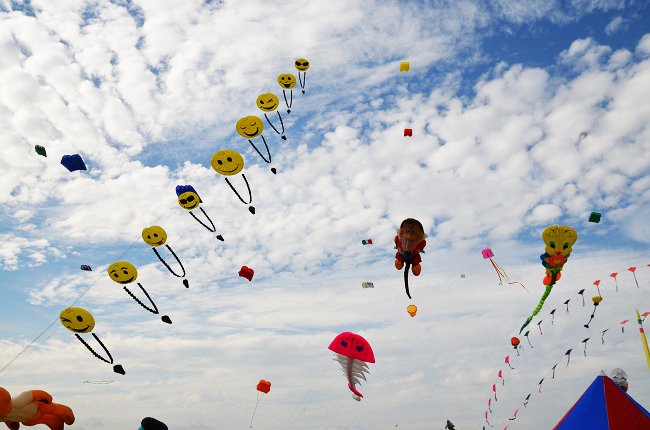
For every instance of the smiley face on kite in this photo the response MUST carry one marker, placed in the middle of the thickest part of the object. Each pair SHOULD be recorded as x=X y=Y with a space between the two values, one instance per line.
x=302 y=65
x=227 y=162
x=154 y=235
x=189 y=200
x=122 y=272
x=77 y=320
x=249 y=127
x=287 y=81
x=268 y=102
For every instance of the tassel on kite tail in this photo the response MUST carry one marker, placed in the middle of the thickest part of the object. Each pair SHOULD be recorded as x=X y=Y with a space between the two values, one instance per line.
x=549 y=287
x=496 y=268
x=501 y=271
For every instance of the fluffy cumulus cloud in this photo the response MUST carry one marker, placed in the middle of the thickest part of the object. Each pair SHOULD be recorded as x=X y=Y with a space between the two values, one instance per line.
x=146 y=92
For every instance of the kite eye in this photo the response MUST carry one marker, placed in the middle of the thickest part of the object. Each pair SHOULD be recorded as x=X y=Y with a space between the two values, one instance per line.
x=190 y=199
x=183 y=201
x=115 y=274
x=155 y=235
x=126 y=272
x=79 y=318
x=229 y=159
x=148 y=236
x=566 y=245
x=344 y=344
x=297 y=63
x=552 y=244
x=359 y=348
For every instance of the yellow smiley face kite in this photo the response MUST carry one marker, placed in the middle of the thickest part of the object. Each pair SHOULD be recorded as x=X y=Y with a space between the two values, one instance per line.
x=287 y=81
x=302 y=65
x=249 y=127
x=122 y=272
x=154 y=235
x=189 y=200
x=77 y=320
x=268 y=102
x=227 y=162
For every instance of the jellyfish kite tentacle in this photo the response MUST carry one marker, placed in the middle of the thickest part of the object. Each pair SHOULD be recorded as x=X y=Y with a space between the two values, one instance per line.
x=353 y=369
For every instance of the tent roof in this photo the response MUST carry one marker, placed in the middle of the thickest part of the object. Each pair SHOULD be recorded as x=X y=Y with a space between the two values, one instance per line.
x=604 y=406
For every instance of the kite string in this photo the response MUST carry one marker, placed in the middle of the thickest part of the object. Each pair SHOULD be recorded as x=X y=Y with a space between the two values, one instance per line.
x=288 y=423
x=21 y=352
x=256 y=405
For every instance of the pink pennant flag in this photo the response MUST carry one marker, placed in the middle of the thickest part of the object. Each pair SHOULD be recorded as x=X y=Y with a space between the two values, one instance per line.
x=494 y=388
x=622 y=323
x=501 y=376
x=508 y=362
x=515 y=416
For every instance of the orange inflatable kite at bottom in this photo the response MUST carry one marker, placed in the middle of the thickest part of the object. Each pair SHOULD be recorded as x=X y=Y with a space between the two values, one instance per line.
x=32 y=408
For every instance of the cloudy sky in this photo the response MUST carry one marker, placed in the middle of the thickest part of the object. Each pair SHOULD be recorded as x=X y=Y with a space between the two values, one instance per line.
x=498 y=95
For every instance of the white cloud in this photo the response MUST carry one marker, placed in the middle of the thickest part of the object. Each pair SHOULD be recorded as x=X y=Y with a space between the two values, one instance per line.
x=17 y=251
x=614 y=25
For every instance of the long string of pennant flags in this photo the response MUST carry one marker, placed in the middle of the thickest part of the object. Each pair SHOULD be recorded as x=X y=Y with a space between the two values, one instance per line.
x=596 y=300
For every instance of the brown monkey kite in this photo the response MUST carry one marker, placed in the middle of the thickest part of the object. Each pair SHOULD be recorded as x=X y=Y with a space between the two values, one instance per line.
x=410 y=241
x=32 y=408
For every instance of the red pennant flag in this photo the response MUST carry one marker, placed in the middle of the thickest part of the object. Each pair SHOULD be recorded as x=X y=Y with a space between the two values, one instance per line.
x=597 y=283
x=632 y=269
x=613 y=275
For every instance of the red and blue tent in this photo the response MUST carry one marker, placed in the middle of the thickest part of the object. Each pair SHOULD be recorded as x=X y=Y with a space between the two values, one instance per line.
x=604 y=406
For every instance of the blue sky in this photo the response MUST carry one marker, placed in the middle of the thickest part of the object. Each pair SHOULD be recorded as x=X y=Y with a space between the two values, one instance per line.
x=497 y=96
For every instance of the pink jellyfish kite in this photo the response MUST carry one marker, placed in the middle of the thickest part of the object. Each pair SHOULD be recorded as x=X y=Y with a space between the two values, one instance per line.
x=352 y=352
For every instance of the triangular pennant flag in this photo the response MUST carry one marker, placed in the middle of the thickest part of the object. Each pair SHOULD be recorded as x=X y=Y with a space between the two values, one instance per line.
x=585 y=342
x=633 y=270
x=568 y=353
x=613 y=275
